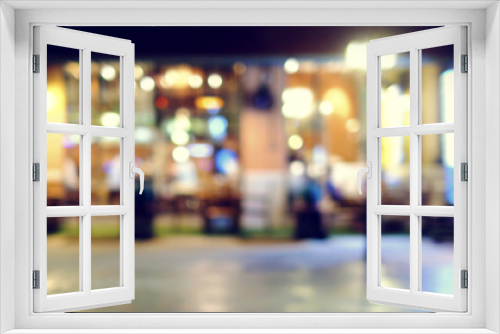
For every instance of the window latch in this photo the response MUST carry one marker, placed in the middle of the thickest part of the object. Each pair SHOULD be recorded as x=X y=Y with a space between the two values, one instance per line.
x=132 y=171
x=368 y=170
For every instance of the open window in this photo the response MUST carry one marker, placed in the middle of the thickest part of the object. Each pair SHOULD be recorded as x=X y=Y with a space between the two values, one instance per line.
x=399 y=122
x=66 y=194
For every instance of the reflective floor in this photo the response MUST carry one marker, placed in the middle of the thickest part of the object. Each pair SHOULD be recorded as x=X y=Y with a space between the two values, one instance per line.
x=225 y=274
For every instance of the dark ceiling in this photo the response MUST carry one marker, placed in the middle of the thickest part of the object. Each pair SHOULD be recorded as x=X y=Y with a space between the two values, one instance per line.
x=243 y=42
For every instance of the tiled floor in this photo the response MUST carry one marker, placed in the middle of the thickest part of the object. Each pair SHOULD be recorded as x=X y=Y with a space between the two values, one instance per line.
x=220 y=274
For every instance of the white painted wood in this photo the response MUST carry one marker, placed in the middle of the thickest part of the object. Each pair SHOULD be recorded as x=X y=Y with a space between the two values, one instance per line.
x=85 y=172
x=432 y=129
x=7 y=167
x=86 y=298
x=407 y=210
x=471 y=322
x=419 y=129
x=391 y=131
x=111 y=132
x=415 y=177
x=248 y=4
x=413 y=43
x=78 y=129
x=76 y=211
x=491 y=163
x=258 y=331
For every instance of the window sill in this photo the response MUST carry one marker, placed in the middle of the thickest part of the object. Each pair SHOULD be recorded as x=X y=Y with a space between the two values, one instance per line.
x=251 y=331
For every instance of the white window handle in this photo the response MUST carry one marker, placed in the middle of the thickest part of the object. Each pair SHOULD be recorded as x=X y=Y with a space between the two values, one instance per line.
x=132 y=172
x=367 y=169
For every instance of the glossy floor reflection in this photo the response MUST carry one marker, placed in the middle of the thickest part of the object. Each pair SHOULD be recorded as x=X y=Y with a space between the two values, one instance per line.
x=219 y=274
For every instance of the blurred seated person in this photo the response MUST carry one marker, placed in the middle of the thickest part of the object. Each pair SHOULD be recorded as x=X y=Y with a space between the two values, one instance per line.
x=308 y=223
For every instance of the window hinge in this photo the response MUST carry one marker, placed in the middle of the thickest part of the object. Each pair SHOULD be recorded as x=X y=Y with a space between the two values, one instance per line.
x=36 y=63
x=464 y=171
x=465 y=279
x=36 y=172
x=36 y=279
x=465 y=64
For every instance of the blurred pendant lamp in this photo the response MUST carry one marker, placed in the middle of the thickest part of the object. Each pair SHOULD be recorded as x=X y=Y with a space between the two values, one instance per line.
x=262 y=99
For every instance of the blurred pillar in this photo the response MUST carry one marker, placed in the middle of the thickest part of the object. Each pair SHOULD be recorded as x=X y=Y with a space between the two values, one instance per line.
x=263 y=151
x=430 y=110
x=56 y=112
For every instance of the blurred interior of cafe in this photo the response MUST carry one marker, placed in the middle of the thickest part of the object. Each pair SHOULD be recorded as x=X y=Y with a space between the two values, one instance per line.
x=259 y=144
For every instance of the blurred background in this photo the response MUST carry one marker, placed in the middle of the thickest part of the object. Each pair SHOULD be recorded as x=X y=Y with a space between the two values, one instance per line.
x=250 y=139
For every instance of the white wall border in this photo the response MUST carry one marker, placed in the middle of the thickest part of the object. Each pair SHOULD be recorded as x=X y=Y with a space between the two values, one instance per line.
x=492 y=152
x=7 y=160
x=314 y=322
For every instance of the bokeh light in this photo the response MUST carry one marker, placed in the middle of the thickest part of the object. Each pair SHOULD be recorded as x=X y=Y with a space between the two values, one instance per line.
x=147 y=84
x=295 y=142
x=297 y=168
x=326 y=107
x=226 y=161
x=298 y=102
x=209 y=103
x=180 y=154
x=179 y=137
x=214 y=81
x=239 y=68
x=195 y=81
x=217 y=126
x=108 y=72
x=161 y=102
x=110 y=119
x=200 y=150
x=291 y=66
x=355 y=55
x=138 y=72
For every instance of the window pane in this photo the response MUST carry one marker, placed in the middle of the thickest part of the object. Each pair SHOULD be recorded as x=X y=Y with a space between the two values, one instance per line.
x=395 y=168
x=63 y=169
x=395 y=252
x=395 y=90
x=438 y=169
x=437 y=85
x=63 y=255
x=105 y=252
x=437 y=254
x=63 y=86
x=105 y=90
x=105 y=172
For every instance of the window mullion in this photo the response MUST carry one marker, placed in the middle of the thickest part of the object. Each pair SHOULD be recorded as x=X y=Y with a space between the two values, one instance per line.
x=414 y=169
x=85 y=167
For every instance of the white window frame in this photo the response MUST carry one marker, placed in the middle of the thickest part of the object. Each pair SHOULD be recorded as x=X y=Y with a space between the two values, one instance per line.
x=414 y=44
x=85 y=44
x=483 y=100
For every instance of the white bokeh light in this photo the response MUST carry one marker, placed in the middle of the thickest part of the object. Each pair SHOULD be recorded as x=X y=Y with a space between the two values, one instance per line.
x=147 y=84
x=295 y=142
x=298 y=102
x=108 y=73
x=326 y=108
x=291 y=65
x=180 y=154
x=297 y=168
x=214 y=81
x=110 y=119
x=355 y=55
x=195 y=81
x=180 y=137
